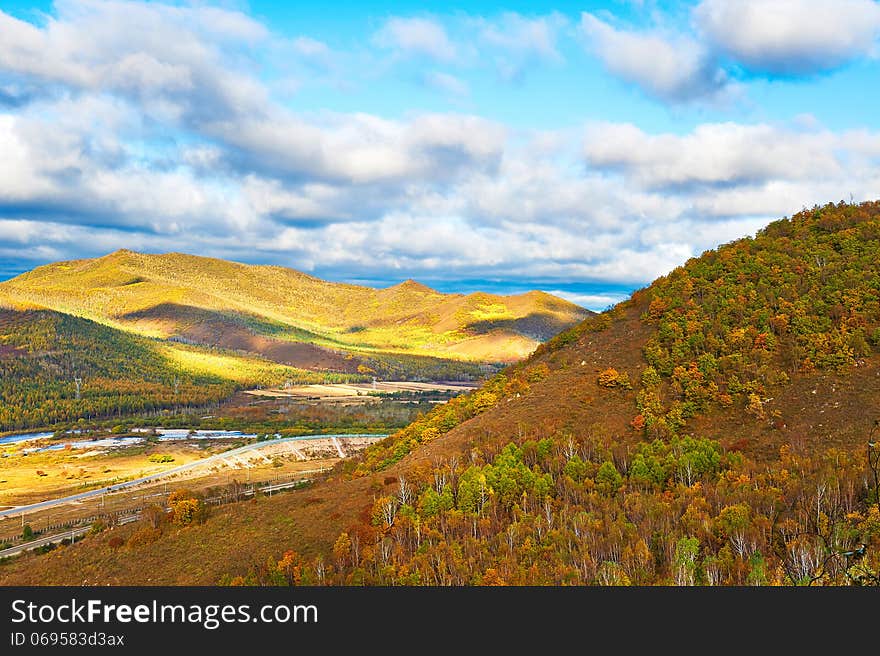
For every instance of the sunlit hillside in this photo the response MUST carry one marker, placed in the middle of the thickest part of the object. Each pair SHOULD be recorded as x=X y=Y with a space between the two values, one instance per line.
x=144 y=332
x=268 y=309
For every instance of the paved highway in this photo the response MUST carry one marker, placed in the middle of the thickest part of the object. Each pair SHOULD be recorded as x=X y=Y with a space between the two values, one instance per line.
x=169 y=472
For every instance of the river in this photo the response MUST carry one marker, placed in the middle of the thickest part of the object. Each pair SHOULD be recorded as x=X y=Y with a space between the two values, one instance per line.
x=164 y=435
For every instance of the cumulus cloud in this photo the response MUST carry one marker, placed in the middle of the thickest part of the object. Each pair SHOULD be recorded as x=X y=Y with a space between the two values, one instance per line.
x=790 y=37
x=72 y=172
x=669 y=67
x=150 y=127
x=766 y=37
x=173 y=61
x=742 y=174
x=363 y=149
x=719 y=154
x=189 y=79
x=416 y=36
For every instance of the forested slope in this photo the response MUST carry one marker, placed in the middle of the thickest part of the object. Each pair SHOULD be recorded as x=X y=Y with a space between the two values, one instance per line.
x=717 y=428
x=43 y=353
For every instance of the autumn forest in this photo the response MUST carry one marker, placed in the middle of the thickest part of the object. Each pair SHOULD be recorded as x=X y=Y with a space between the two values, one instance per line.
x=719 y=427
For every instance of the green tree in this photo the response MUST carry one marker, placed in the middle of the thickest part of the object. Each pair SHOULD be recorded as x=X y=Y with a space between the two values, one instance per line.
x=757 y=570
x=473 y=490
x=608 y=478
x=575 y=468
x=687 y=549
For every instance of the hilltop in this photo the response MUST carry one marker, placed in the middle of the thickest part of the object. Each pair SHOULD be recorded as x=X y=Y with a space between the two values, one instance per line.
x=712 y=429
x=145 y=333
x=287 y=316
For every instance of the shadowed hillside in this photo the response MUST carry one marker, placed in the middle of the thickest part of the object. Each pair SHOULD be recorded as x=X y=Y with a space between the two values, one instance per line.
x=43 y=353
x=718 y=428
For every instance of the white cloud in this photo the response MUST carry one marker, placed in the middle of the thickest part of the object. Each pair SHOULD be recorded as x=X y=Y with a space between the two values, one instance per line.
x=41 y=241
x=446 y=83
x=531 y=36
x=416 y=36
x=595 y=302
x=516 y=42
x=189 y=62
x=313 y=52
x=26 y=49
x=309 y=203
x=56 y=170
x=364 y=149
x=509 y=42
x=723 y=181
x=773 y=37
x=24 y=169
x=714 y=154
x=176 y=65
x=669 y=67
x=308 y=47
x=528 y=190
x=790 y=37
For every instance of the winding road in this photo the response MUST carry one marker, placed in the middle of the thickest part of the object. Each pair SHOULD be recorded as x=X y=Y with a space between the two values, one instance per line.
x=175 y=470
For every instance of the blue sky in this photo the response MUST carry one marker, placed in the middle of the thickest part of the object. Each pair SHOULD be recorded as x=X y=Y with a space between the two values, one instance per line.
x=581 y=148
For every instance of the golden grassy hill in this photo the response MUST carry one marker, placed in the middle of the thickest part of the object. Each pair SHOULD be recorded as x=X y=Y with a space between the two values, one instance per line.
x=714 y=429
x=274 y=311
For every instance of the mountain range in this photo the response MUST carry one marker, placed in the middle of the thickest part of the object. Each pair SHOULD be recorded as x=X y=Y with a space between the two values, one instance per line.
x=266 y=309
x=192 y=329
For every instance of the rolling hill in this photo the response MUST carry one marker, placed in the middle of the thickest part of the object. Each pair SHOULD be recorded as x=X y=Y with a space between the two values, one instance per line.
x=714 y=429
x=287 y=316
x=145 y=332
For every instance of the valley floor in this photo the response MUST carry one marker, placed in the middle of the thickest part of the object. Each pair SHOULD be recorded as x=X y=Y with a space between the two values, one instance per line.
x=365 y=391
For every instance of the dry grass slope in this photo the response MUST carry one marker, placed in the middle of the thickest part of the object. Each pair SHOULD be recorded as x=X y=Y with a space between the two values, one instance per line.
x=222 y=303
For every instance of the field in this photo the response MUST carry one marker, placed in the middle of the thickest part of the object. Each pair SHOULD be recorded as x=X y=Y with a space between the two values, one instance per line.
x=222 y=485
x=32 y=477
x=28 y=476
x=366 y=391
x=220 y=479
